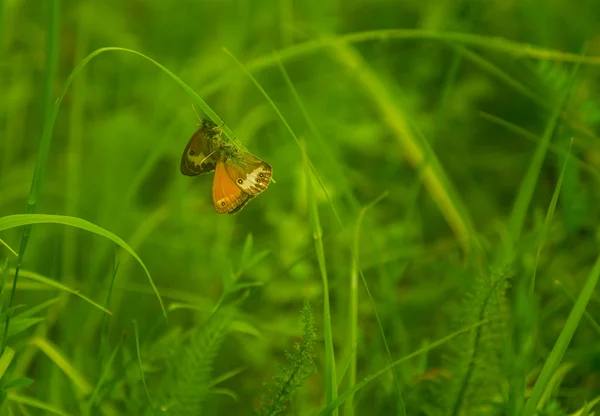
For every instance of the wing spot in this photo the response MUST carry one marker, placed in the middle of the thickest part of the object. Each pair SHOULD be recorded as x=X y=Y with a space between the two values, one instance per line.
x=191 y=153
x=240 y=181
x=261 y=175
x=223 y=203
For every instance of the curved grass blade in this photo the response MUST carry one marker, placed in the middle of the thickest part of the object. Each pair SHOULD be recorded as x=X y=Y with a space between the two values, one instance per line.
x=61 y=362
x=329 y=408
x=2 y=242
x=139 y=357
x=334 y=210
x=525 y=195
x=341 y=176
x=196 y=98
x=18 y=220
x=562 y=343
x=495 y=43
x=417 y=151
x=38 y=404
x=36 y=277
x=526 y=134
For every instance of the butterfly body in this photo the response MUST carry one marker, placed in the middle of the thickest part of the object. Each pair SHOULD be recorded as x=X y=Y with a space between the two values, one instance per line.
x=239 y=176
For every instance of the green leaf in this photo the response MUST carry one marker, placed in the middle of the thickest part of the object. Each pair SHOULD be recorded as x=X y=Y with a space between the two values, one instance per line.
x=19 y=325
x=5 y=360
x=9 y=312
x=32 y=311
x=19 y=382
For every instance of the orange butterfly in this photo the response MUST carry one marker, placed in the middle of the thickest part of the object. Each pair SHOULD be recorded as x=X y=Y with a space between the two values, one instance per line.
x=239 y=176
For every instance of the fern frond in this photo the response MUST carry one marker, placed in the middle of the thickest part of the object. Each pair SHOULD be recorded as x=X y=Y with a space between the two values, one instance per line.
x=301 y=365
x=475 y=359
x=188 y=379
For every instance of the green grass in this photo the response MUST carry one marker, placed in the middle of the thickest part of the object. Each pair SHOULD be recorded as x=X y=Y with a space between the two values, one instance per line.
x=428 y=246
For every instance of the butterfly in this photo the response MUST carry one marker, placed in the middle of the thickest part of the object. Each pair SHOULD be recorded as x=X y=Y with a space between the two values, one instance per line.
x=239 y=176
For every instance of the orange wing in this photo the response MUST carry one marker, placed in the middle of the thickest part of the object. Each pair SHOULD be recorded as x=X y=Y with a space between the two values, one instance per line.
x=227 y=196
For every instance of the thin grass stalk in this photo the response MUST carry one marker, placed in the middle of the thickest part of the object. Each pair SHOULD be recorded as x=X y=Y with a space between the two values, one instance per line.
x=75 y=149
x=416 y=151
x=548 y=221
x=562 y=343
x=139 y=358
x=329 y=408
x=337 y=217
x=45 y=142
x=330 y=371
x=353 y=319
x=529 y=182
x=557 y=150
x=3 y=151
x=520 y=355
x=353 y=309
x=495 y=43
x=331 y=160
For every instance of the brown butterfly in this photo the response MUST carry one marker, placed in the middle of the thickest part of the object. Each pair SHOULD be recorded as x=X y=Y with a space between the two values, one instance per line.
x=239 y=176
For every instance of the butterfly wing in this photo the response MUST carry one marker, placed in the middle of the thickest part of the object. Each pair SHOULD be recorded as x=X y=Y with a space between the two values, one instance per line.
x=248 y=172
x=201 y=153
x=228 y=198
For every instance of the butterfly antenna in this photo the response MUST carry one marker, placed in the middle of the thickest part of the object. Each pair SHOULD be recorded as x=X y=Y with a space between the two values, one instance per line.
x=197 y=115
x=209 y=155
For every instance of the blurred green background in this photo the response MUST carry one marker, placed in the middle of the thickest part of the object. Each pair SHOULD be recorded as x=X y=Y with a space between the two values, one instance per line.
x=444 y=153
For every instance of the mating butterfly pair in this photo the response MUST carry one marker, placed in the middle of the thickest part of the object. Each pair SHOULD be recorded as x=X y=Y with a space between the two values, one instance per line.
x=239 y=176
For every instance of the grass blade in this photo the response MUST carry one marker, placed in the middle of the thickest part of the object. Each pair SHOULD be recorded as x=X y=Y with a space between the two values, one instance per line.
x=353 y=309
x=139 y=357
x=336 y=214
x=560 y=346
x=558 y=150
x=36 y=277
x=5 y=360
x=341 y=176
x=329 y=408
x=494 y=43
x=40 y=165
x=419 y=154
x=528 y=185
x=548 y=220
x=107 y=369
x=38 y=404
x=52 y=351
x=2 y=242
x=195 y=97
x=12 y=221
x=330 y=371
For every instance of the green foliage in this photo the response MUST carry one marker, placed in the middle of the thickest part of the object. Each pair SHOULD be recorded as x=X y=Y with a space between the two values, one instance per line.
x=474 y=361
x=186 y=382
x=478 y=121
x=300 y=366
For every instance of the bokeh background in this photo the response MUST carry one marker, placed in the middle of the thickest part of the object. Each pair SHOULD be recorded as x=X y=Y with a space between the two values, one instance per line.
x=438 y=131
